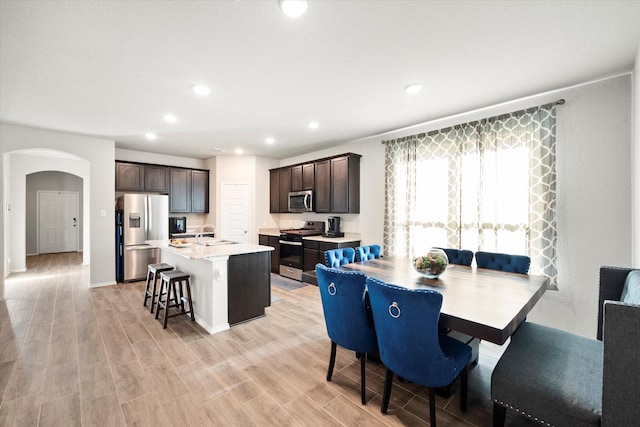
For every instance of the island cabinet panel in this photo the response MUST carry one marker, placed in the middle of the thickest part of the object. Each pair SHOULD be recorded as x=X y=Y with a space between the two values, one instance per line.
x=274 y=191
x=323 y=186
x=285 y=187
x=129 y=177
x=156 y=178
x=180 y=194
x=274 y=242
x=249 y=286
x=200 y=191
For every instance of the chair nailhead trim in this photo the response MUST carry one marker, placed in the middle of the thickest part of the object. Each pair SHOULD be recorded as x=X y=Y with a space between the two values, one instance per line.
x=506 y=405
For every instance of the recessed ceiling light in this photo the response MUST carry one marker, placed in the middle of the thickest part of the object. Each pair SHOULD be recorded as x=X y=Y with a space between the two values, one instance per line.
x=413 y=88
x=239 y=151
x=269 y=140
x=293 y=8
x=313 y=125
x=201 y=90
x=218 y=150
x=169 y=118
x=150 y=136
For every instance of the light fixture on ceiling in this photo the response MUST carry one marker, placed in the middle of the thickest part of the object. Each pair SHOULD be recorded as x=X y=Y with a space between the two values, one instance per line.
x=169 y=118
x=413 y=88
x=313 y=125
x=201 y=90
x=293 y=8
x=239 y=151
x=270 y=140
x=150 y=136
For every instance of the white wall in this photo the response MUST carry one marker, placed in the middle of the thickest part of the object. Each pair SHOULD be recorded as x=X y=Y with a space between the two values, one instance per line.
x=100 y=195
x=159 y=159
x=594 y=192
x=635 y=159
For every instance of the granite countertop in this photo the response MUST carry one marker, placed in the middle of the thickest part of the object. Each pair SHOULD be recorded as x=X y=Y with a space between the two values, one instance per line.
x=196 y=251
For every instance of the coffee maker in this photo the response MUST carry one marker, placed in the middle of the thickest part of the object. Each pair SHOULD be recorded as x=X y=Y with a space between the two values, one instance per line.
x=334 y=227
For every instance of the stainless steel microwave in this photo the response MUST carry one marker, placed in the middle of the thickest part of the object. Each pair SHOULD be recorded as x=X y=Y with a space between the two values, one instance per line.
x=301 y=201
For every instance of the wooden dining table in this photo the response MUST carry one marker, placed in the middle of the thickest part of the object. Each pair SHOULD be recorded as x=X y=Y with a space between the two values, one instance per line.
x=482 y=303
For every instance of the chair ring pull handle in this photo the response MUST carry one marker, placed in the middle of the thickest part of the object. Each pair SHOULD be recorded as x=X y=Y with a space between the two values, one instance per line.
x=332 y=288
x=394 y=310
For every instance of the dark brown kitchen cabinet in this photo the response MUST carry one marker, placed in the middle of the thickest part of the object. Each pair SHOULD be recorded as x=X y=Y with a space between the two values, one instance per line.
x=284 y=180
x=323 y=186
x=180 y=191
x=274 y=242
x=156 y=178
x=335 y=181
x=314 y=251
x=308 y=176
x=199 y=191
x=296 y=178
x=129 y=176
x=274 y=191
x=345 y=184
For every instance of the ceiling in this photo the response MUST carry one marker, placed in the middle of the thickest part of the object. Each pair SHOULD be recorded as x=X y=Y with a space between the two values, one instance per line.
x=113 y=69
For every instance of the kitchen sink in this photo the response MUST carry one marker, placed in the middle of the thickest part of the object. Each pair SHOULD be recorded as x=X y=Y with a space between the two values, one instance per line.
x=217 y=242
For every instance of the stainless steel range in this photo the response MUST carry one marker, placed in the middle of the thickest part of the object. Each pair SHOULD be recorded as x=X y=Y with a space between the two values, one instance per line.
x=291 y=250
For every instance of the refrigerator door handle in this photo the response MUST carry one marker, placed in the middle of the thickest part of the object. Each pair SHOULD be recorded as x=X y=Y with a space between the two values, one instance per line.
x=138 y=248
x=147 y=223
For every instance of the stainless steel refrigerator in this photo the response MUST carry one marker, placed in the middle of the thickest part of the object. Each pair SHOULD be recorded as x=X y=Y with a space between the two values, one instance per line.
x=142 y=217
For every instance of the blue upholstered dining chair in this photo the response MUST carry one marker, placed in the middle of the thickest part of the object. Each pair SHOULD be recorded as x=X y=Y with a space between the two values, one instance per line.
x=344 y=297
x=503 y=262
x=336 y=257
x=410 y=345
x=365 y=253
x=459 y=256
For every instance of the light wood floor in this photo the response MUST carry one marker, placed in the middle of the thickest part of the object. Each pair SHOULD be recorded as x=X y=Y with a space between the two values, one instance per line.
x=70 y=355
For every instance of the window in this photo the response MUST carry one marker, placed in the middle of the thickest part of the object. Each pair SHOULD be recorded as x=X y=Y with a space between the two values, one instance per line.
x=485 y=185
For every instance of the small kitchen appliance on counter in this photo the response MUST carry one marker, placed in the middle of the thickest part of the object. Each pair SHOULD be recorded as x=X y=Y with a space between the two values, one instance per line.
x=334 y=227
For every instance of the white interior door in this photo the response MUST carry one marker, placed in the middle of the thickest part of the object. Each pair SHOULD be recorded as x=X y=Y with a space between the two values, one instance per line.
x=57 y=221
x=234 y=212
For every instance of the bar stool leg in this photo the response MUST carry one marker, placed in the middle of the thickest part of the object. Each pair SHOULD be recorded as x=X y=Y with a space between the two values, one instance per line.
x=181 y=296
x=170 y=287
x=193 y=317
x=153 y=294
x=146 y=291
x=160 y=303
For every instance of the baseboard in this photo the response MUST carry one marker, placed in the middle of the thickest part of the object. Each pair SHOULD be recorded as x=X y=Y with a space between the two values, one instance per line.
x=101 y=284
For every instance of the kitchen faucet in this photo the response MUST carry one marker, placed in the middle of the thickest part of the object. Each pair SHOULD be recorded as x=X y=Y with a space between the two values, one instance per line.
x=200 y=235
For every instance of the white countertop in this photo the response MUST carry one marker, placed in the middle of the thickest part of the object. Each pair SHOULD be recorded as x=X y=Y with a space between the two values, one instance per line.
x=196 y=251
x=348 y=237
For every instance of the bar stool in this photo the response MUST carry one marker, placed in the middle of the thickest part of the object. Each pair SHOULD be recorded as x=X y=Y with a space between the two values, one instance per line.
x=168 y=282
x=152 y=273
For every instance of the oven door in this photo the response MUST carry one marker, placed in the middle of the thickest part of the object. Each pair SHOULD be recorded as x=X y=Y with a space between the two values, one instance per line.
x=291 y=254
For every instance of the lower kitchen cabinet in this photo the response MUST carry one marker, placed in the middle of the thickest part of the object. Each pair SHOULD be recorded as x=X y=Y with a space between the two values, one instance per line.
x=274 y=242
x=314 y=251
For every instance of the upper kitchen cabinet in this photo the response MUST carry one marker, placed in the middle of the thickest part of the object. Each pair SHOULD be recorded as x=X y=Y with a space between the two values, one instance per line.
x=189 y=190
x=274 y=191
x=200 y=191
x=345 y=184
x=156 y=178
x=129 y=176
x=338 y=184
x=335 y=181
x=303 y=177
x=180 y=191
x=284 y=180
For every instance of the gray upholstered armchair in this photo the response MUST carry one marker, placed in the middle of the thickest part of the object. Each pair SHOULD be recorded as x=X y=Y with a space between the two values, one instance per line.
x=558 y=378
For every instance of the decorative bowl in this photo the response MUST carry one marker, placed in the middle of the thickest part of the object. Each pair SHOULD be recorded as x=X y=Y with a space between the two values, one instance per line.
x=431 y=265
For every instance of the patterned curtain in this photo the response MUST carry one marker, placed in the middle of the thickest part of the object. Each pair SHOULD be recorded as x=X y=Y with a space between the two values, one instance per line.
x=485 y=185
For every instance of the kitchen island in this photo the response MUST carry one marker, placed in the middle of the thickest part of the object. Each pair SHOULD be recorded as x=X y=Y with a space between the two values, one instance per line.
x=230 y=282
